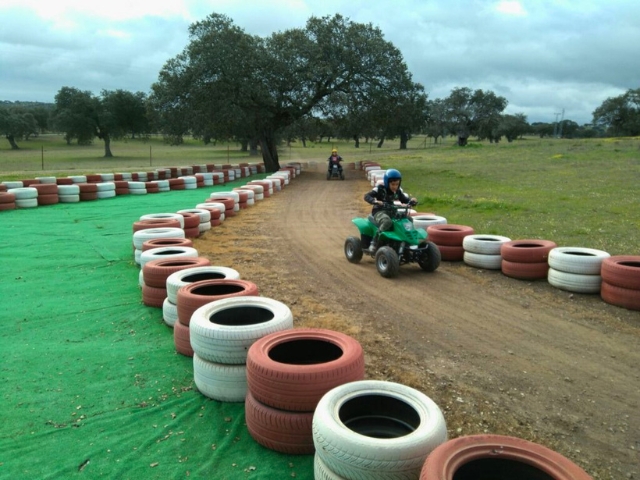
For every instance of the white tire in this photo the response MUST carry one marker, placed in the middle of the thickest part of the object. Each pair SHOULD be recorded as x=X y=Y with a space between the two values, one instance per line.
x=585 y=261
x=423 y=221
x=189 y=275
x=169 y=312
x=204 y=227
x=142 y=236
x=166 y=252
x=68 y=190
x=137 y=191
x=230 y=193
x=107 y=177
x=106 y=194
x=133 y=184
x=321 y=471
x=105 y=187
x=69 y=198
x=213 y=205
x=373 y=429
x=222 y=331
x=25 y=193
x=574 y=282
x=203 y=214
x=78 y=178
x=479 y=260
x=176 y=216
x=225 y=383
x=13 y=184
x=484 y=244
x=27 y=203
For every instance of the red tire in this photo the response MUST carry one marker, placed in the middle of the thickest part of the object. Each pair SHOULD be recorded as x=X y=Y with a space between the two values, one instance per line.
x=194 y=295
x=85 y=197
x=166 y=242
x=181 y=339
x=499 y=458
x=622 y=271
x=46 y=188
x=7 y=197
x=192 y=232
x=525 y=271
x=279 y=430
x=448 y=234
x=7 y=206
x=156 y=272
x=527 y=251
x=191 y=220
x=155 y=223
x=48 y=198
x=88 y=188
x=621 y=297
x=292 y=369
x=451 y=253
x=153 y=296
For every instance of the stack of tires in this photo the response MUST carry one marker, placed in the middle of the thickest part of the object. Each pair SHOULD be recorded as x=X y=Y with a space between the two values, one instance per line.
x=483 y=251
x=106 y=190
x=576 y=269
x=154 y=229
x=155 y=274
x=192 y=296
x=221 y=333
x=47 y=193
x=204 y=219
x=448 y=238
x=68 y=193
x=7 y=201
x=25 y=197
x=375 y=430
x=526 y=259
x=621 y=281
x=288 y=373
x=189 y=275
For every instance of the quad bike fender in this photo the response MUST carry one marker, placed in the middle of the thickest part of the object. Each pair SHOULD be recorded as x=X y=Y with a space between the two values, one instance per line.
x=365 y=226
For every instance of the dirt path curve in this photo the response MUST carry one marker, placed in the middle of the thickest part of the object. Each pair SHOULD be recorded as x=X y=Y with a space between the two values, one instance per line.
x=497 y=354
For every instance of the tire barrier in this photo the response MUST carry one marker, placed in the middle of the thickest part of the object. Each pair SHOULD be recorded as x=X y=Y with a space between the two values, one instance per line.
x=448 y=238
x=497 y=457
x=483 y=251
x=576 y=269
x=288 y=372
x=375 y=430
x=526 y=259
x=179 y=279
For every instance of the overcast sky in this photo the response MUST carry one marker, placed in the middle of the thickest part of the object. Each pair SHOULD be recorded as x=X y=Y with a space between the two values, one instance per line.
x=543 y=56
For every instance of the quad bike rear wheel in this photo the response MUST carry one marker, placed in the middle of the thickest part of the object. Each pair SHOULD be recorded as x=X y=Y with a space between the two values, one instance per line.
x=353 y=249
x=429 y=260
x=387 y=262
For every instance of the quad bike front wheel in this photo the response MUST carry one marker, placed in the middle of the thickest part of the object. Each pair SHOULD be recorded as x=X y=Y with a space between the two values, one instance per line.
x=328 y=175
x=387 y=262
x=430 y=258
x=353 y=249
x=341 y=176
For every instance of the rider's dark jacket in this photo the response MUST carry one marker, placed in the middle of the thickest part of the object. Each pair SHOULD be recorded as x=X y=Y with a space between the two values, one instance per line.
x=337 y=159
x=383 y=194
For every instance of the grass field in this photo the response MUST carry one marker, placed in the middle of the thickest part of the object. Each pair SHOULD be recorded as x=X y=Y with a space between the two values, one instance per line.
x=574 y=192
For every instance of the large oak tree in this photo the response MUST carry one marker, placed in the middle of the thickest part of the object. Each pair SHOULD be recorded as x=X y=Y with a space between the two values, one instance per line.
x=231 y=84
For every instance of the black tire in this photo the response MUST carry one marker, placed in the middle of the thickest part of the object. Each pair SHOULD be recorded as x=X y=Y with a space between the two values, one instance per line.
x=429 y=261
x=387 y=262
x=328 y=175
x=353 y=249
x=341 y=176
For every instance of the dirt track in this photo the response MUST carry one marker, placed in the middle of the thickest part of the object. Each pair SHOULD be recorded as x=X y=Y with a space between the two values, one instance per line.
x=497 y=354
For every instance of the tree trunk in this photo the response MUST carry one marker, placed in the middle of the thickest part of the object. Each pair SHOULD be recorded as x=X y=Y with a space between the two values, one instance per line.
x=269 y=154
x=12 y=142
x=107 y=146
x=462 y=140
x=253 y=147
x=244 y=145
x=404 y=138
x=304 y=142
x=356 y=138
x=381 y=142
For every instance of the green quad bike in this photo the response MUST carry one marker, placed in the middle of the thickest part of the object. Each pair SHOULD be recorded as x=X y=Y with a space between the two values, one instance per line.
x=403 y=244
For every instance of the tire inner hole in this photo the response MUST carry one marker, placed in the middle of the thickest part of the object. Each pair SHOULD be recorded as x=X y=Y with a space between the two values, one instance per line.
x=305 y=352
x=242 y=316
x=197 y=277
x=222 y=289
x=379 y=416
x=499 y=469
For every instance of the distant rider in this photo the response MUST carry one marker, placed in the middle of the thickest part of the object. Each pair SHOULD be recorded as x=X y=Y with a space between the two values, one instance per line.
x=380 y=197
x=335 y=159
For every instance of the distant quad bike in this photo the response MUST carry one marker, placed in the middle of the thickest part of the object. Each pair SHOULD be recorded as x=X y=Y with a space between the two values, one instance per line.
x=335 y=172
x=403 y=244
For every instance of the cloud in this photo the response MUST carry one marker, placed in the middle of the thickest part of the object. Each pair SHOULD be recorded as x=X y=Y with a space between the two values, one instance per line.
x=541 y=55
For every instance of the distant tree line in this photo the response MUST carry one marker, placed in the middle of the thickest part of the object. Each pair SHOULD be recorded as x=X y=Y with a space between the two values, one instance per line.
x=332 y=79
